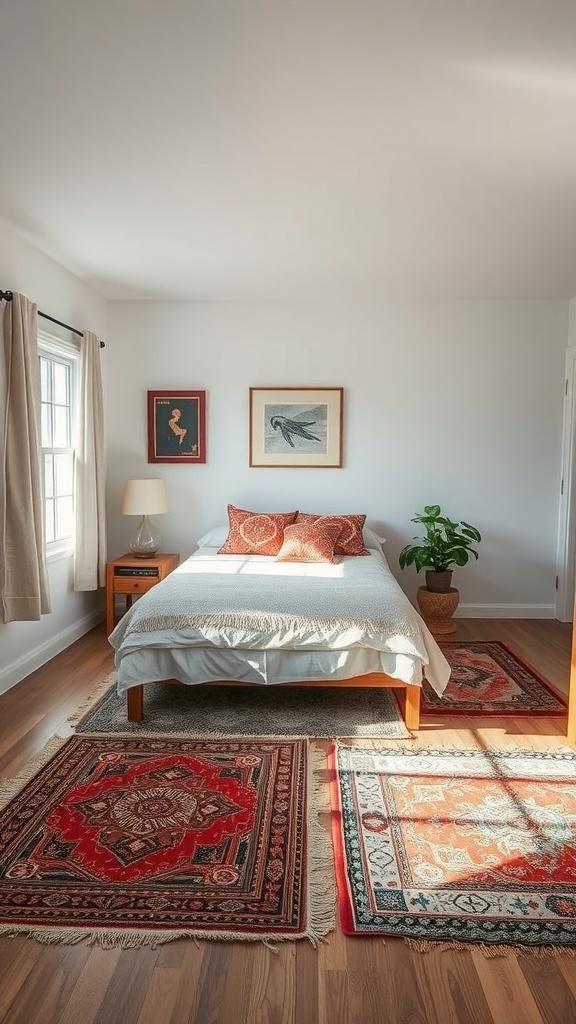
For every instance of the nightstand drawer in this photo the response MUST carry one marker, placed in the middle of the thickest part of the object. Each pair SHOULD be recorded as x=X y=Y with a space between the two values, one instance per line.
x=134 y=584
x=129 y=578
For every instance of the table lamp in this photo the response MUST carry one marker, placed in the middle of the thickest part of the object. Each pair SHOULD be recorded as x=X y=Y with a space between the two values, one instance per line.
x=144 y=498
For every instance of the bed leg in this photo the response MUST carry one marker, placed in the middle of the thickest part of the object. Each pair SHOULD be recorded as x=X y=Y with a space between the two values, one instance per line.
x=412 y=707
x=135 y=703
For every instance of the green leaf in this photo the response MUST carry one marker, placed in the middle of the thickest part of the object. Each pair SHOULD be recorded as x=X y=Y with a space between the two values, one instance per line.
x=459 y=555
x=407 y=556
x=471 y=532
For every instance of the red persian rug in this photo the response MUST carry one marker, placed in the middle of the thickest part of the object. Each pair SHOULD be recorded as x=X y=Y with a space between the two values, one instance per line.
x=488 y=679
x=130 y=840
x=458 y=846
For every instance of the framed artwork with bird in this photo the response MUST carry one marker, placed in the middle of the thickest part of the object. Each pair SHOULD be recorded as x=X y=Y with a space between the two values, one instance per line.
x=296 y=427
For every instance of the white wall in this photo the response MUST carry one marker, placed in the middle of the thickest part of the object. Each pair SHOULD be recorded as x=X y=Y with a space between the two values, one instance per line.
x=25 y=646
x=454 y=402
x=572 y=323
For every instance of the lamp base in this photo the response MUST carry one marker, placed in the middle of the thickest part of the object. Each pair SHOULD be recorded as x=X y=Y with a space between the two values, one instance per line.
x=145 y=541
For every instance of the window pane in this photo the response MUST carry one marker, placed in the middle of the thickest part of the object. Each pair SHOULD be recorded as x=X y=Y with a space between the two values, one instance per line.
x=57 y=373
x=64 y=518
x=46 y=425
x=60 y=384
x=61 y=428
x=49 y=529
x=44 y=379
x=63 y=465
x=49 y=476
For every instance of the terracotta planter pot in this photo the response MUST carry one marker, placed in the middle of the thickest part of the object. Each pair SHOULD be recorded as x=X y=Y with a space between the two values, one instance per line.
x=437 y=609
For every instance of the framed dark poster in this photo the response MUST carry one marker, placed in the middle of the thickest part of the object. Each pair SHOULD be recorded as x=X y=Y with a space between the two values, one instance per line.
x=177 y=426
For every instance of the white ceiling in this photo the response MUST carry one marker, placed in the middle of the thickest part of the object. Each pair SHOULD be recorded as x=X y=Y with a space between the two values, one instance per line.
x=266 y=149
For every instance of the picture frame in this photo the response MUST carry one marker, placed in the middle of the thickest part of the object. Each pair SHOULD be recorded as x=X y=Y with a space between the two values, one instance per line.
x=298 y=427
x=177 y=426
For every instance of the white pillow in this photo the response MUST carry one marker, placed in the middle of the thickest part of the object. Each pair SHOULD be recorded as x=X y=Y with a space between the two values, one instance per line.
x=214 y=538
x=373 y=540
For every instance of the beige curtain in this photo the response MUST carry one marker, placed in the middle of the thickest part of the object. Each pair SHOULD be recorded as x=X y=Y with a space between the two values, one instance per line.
x=23 y=577
x=90 y=547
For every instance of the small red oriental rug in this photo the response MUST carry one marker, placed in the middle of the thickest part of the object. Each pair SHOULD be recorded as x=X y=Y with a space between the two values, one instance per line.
x=131 y=840
x=488 y=679
x=467 y=846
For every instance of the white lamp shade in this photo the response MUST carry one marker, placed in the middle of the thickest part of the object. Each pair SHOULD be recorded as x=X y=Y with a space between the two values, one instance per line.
x=144 y=498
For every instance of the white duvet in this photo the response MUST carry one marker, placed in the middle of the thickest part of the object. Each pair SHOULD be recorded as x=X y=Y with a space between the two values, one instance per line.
x=249 y=617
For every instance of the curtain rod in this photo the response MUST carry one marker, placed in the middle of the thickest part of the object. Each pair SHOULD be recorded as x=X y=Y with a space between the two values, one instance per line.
x=7 y=296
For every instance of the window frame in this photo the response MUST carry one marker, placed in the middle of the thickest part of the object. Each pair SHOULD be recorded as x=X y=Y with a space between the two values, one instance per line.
x=59 y=350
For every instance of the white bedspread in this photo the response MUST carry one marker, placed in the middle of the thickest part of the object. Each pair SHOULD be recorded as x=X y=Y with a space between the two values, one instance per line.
x=254 y=607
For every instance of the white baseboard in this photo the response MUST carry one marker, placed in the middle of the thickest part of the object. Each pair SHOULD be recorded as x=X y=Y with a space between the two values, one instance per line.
x=505 y=611
x=21 y=668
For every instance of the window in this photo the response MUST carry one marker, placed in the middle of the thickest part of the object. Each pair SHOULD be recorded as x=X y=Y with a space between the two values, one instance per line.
x=58 y=367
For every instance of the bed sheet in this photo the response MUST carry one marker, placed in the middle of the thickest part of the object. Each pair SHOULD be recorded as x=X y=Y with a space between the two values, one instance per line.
x=256 y=620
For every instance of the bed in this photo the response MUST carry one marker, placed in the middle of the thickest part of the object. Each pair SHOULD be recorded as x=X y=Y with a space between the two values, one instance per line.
x=252 y=620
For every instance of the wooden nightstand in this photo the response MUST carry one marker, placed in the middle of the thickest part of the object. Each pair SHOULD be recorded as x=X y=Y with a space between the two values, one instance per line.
x=132 y=576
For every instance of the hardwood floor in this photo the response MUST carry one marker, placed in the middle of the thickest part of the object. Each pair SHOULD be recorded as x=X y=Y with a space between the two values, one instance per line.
x=345 y=980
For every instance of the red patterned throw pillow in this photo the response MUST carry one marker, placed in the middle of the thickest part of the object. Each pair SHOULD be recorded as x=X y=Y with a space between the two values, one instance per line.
x=309 y=542
x=350 y=541
x=255 y=533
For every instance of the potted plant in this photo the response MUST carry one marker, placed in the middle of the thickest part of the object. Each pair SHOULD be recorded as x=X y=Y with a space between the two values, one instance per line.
x=444 y=545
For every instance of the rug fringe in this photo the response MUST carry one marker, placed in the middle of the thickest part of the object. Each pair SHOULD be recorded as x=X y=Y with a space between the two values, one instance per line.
x=123 y=939
x=321 y=783
x=9 y=788
x=151 y=734
x=321 y=882
x=488 y=950
x=92 y=698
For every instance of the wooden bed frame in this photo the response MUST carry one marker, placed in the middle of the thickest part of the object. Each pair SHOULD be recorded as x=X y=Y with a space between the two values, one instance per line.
x=135 y=694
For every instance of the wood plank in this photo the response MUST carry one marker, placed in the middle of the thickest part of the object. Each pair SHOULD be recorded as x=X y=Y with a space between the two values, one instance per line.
x=458 y=994
x=333 y=953
x=186 y=1002
x=160 y=997
x=305 y=965
x=124 y=995
x=238 y=985
x=380 y=974
x=506 y=990
x=253 y=964
x=333 y=998
x=566 y=964
x=90 y=988
x=16 y=964
x=216 y=957
x=47 y=987
x=556 y=1002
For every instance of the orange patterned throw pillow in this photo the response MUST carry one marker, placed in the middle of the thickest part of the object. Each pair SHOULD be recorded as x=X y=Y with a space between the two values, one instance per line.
x=309 y=542
x=350 y=541
x=255 y=533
